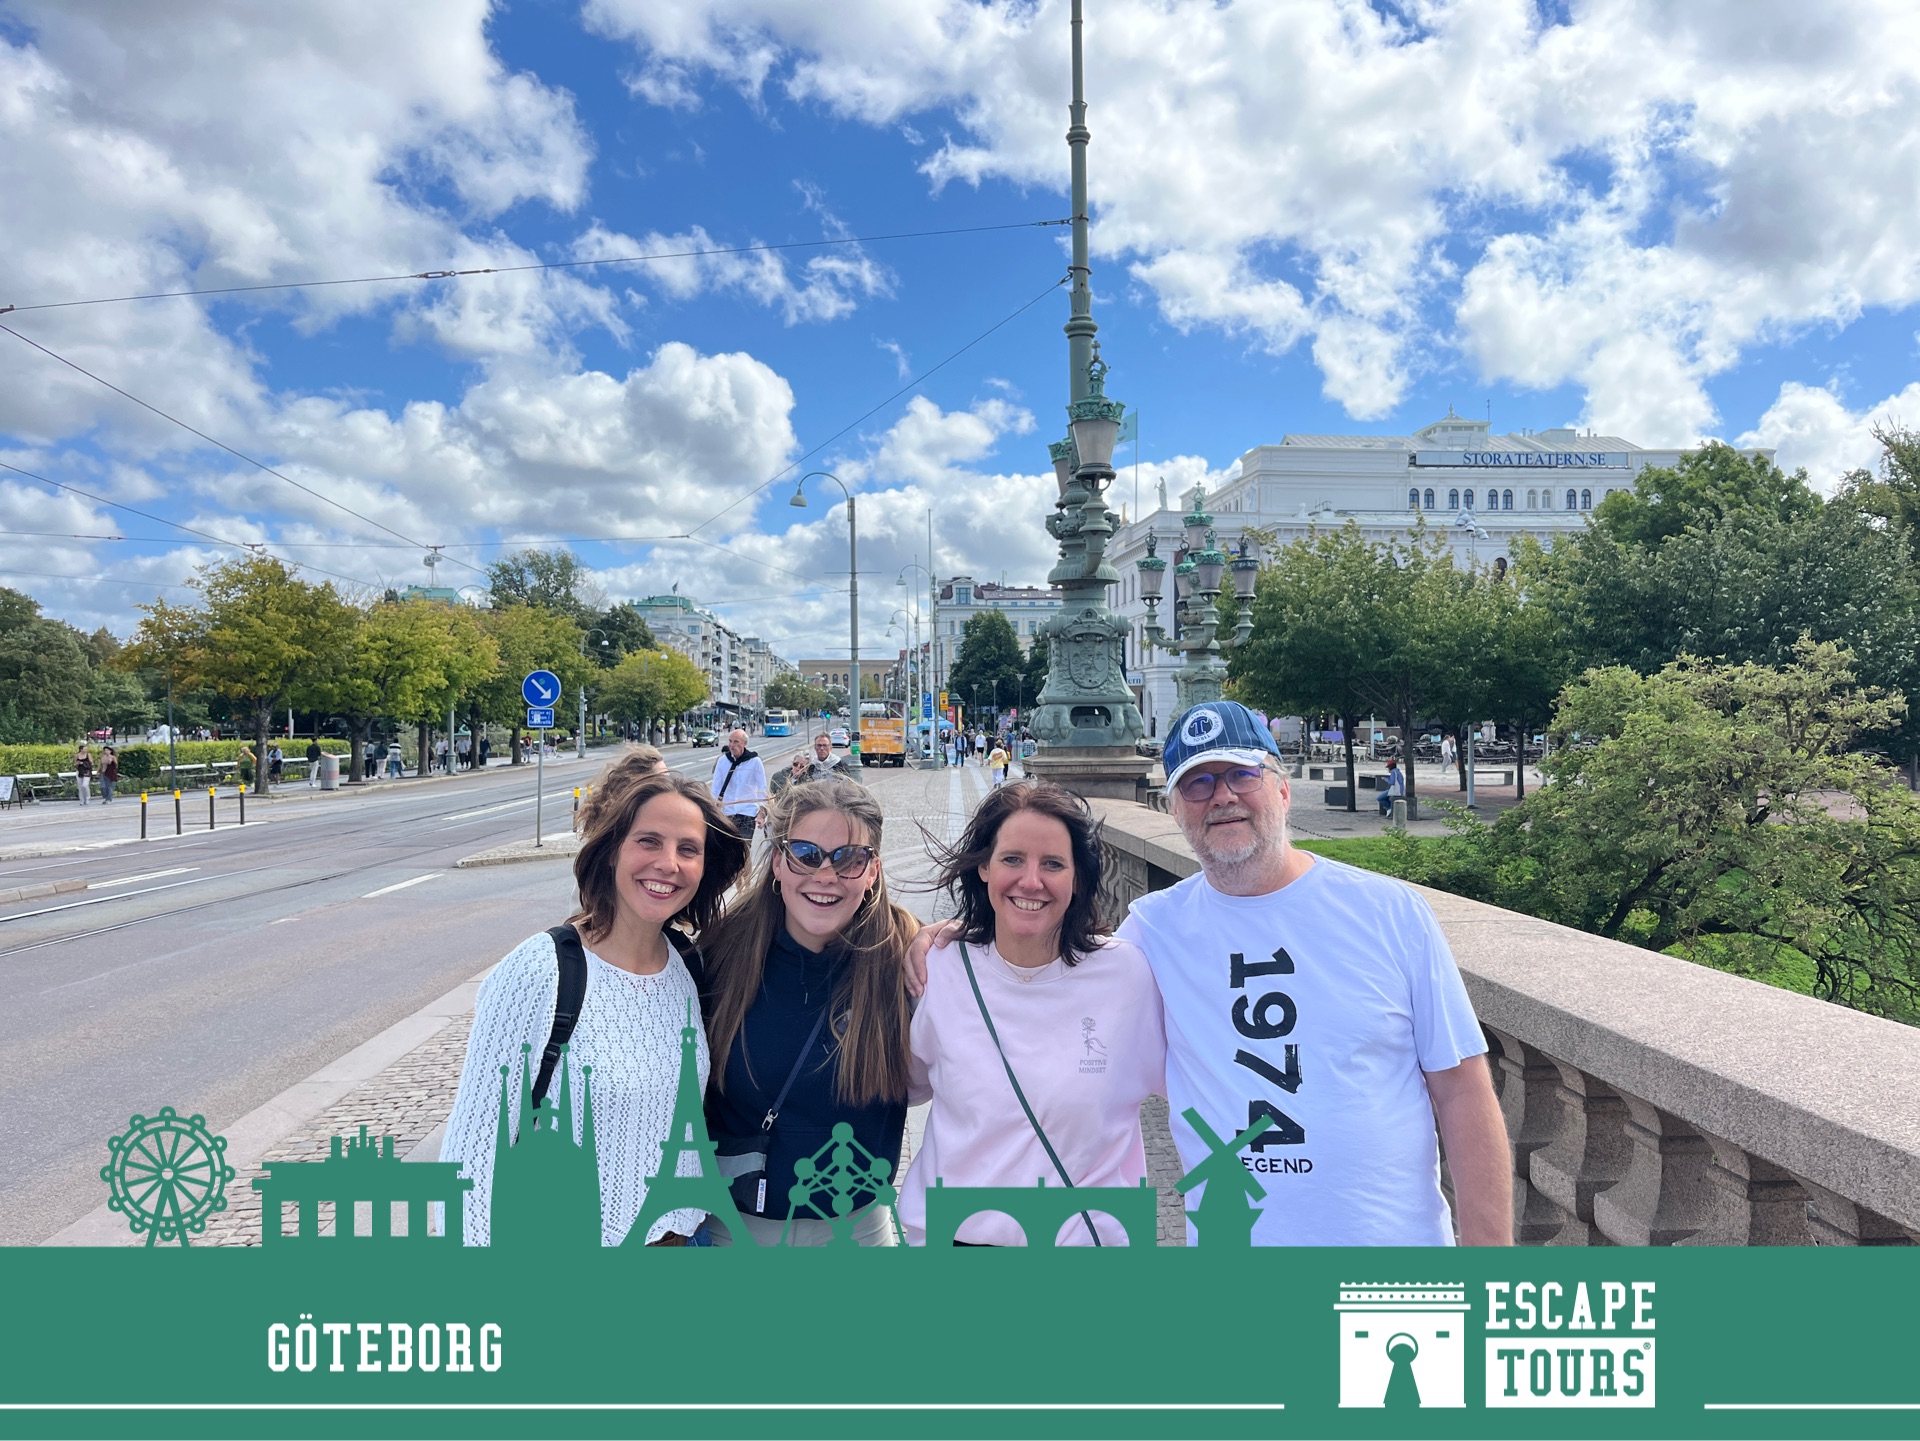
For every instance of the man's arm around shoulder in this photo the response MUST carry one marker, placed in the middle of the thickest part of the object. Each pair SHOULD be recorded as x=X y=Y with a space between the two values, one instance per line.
x=1475 y=1137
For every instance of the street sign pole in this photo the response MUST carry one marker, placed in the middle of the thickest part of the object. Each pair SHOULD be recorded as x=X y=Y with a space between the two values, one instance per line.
x=539 y=778
x=540 y=690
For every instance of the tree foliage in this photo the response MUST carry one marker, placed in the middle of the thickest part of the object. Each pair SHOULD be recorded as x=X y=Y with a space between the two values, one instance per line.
x=652 y=686
x=791 y=691
x=395 y=667
x=45 y=674
x=623 y=631
x=1720 y=812
x=259 y=636
x=552 y=580
x=527 y=638
x=989 y=665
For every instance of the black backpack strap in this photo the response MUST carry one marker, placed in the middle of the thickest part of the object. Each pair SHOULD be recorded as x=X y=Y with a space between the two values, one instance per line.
x=572 y=957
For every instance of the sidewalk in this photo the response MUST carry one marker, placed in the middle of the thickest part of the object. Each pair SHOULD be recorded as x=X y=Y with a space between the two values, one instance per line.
x=410 y=1095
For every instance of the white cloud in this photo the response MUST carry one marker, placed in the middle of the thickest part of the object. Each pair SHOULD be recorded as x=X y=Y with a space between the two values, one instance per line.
x=1624 y=202
x=1810 y=426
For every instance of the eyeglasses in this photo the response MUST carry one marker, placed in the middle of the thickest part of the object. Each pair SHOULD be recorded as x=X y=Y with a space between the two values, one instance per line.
x=847 y=861
x=1241 y=780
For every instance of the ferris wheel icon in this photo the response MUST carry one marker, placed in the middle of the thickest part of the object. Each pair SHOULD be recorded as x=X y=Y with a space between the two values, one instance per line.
x=167 y=1175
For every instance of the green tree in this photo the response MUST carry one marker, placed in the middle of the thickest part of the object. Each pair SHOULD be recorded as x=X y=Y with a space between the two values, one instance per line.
x=1323 y=621
x=552 y=580
x=792 y=692
x=1722 y=813
x=623 y=631
x=396 y=660
x=652 y=686
x=1706 y=485
x=260 y=637
x=116 y=699
x=1528 y=656
x=528 y=638
x=988 y=670
x=46 y=669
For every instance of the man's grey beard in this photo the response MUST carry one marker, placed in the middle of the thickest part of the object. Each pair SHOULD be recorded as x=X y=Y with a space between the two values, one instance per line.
x=1268 y=837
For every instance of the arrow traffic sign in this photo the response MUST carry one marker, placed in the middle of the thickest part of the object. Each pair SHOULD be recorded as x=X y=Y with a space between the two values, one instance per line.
x=542 y=687
x=539 y=718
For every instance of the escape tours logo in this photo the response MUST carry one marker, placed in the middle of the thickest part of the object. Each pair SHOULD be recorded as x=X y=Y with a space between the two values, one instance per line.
x=1403 y=1344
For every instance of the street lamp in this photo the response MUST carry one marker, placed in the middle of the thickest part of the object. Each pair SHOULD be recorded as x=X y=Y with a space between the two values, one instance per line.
x=1085 y=716
x=928 y=673
x=580 y=731
x=853 y=595
x=1197 y=587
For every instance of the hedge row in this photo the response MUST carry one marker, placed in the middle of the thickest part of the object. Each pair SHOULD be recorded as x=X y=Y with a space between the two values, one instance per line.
x=140 y=761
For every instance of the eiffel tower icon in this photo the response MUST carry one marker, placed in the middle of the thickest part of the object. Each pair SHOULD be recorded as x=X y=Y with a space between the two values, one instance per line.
x=667 y=1189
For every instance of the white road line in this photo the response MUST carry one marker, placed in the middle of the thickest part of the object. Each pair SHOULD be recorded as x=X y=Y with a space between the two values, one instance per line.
x=149 y=876
x=102 y=900
x=401 y=885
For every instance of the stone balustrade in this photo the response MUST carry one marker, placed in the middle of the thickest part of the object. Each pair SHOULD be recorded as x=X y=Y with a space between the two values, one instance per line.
x=1650 y=1101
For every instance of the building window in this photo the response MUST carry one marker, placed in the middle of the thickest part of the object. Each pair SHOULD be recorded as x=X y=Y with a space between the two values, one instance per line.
x=1573 y=500
x=1533 y=500
x=1429 y=500
x=1506 y=500
x=1586 y=500
x=1453 y=500
x=1413 y=499
x=1469 y=497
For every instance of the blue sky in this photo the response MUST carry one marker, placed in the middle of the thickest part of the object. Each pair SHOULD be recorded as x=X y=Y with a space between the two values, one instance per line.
x=1310 y=216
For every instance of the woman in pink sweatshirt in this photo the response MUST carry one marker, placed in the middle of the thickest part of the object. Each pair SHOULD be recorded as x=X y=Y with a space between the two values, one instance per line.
x=1039 y=1035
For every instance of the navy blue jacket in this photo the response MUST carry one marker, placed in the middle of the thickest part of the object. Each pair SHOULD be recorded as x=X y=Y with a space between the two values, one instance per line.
x=795 y=987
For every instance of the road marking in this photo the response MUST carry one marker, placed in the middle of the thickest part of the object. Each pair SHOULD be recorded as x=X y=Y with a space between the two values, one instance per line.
x=149 y=876
x=123 y=895
x=401 y=885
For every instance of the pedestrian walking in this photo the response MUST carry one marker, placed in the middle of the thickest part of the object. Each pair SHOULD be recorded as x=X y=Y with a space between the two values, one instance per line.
x=276 y=761
x=739 y=783
x=997 y=762
x=396 y=762
x=1379 y=1047
x=313 y=763
x=109 y=774
x=1039 y=1035
x=83 y=773
x=440 y=755
x=806 y=976
x=656 y=856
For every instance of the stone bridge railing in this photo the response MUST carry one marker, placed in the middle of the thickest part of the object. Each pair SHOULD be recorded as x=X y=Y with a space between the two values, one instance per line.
x=1650 y=1101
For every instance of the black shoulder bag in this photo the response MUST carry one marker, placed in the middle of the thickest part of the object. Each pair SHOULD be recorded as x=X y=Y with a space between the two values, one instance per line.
x=744 y=1163
x=1020 y=1095
x=572 y=957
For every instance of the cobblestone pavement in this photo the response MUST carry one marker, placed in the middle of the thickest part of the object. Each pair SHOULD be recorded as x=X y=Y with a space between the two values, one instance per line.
x=411 y=1099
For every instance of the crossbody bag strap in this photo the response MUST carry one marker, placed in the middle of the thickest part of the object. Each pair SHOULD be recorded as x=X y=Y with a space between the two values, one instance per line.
x=572 y=959
x=806 y=1049
x=733 y=764
x=1020 y=1095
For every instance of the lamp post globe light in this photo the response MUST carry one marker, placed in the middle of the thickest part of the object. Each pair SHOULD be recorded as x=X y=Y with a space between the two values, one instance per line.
x=1197 y=588
x=1085 y=717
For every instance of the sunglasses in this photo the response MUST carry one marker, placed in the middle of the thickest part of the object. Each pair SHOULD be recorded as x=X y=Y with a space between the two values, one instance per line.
x=1200 y=785
x=847 y=861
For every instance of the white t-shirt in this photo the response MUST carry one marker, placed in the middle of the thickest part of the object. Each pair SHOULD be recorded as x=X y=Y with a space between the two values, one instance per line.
x=628 y=1032
x=1321 y=1003
x=1087 y=1045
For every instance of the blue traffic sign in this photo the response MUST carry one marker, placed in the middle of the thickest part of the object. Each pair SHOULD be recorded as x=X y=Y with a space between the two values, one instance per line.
x=539 y=718
x=541 y=688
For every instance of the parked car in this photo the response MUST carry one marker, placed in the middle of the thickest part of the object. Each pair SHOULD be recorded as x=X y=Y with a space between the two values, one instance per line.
x=706 y=738
x=105 y=733
x=838 y=736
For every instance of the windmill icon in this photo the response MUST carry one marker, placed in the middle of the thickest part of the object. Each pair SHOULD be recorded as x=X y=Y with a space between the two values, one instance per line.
x=1226 y=1212
x=167 y=1175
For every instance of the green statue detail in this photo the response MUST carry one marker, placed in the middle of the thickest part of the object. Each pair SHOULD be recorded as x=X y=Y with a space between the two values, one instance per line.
x=705 y=1190
x=1226 y=1212
x=167 y=1175
x=840 y=1171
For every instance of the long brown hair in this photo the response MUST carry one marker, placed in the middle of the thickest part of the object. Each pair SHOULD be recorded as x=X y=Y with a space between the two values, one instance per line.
x=605 y=825
x=870 y=1002
x=960 y=864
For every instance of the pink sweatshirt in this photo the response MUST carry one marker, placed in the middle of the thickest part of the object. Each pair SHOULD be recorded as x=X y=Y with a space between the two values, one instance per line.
x=1088 y=1044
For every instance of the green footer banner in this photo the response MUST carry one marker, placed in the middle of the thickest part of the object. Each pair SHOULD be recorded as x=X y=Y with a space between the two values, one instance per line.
x=352 y=1337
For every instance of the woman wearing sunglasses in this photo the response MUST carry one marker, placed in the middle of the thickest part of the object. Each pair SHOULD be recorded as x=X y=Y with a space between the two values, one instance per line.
x=806 y=1008
x=1038 y=1036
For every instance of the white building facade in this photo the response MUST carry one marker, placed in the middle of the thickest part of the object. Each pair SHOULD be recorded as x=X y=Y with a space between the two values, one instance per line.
x=1477 y=489
x=737 y=667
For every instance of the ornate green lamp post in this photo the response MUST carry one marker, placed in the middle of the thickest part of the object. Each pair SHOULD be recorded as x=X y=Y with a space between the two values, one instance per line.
x=1197 y=583
x=1086 y=719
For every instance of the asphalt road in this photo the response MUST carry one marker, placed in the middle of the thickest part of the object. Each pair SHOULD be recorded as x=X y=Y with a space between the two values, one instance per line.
x=212 y=971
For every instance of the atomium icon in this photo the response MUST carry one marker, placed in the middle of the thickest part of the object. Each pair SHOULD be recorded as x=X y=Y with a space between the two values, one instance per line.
x=167 y=1175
